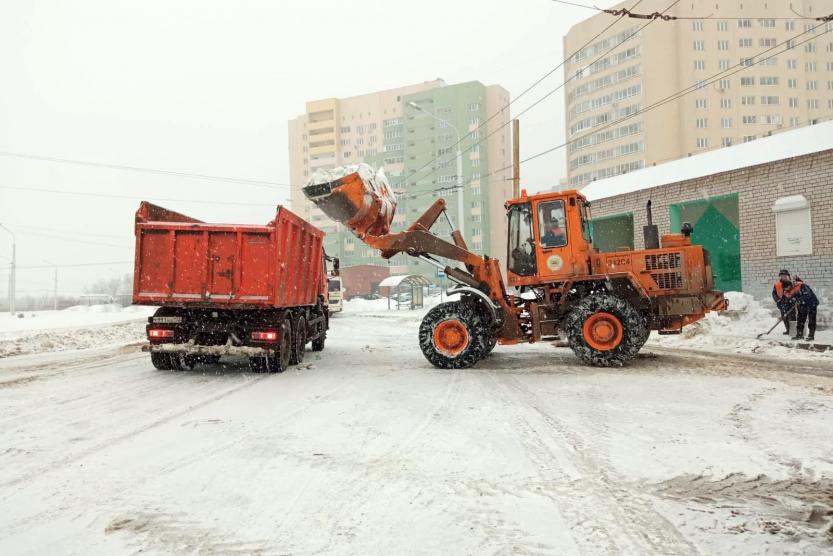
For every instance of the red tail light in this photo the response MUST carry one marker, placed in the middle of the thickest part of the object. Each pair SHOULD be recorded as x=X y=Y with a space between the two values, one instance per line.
x=159 y=333
x=268 y=335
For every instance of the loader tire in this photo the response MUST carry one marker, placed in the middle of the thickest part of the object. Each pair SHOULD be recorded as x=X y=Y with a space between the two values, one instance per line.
x=299 y=341
x=454 y=335
x=490 y=345
x=161 y=361
x=605 y=331
x=278 y=361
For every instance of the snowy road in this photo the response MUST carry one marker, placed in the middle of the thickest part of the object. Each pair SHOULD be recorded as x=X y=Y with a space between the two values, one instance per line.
x=367 y=449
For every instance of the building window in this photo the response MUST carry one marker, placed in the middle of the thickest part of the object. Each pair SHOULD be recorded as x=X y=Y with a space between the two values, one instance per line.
x=725 y=103
x=767 y=23
x=702 y=142
x=792 y=83
x=810 y=47
x=702 y=123
x=813 y=104
x=790 y=26
x=726 y=142
x=346 y=154
x=700 y=103
x=699 y=64
x=725 y=123
x=792 y=64
x=768 y=81
x=747 y=81
x=723 y=45
x=794 y=121
x=722 y=25
x=770 y=100
x=697 y=25
x=699 y=45
x=748 y=138
x=767 y=43
x=793 y=226
x=474 y=106
x=745 y=23
x=724 y=83
x=810 y=66
x=812 y=85
x=745 y=43
x=724 y=65
x=750 y=120
x=793 y=102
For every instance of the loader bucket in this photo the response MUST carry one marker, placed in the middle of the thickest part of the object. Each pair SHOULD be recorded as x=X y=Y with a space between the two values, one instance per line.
x=361 y=200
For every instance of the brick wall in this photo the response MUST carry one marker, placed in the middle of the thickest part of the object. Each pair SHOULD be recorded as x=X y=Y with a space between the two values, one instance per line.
x=757 y=187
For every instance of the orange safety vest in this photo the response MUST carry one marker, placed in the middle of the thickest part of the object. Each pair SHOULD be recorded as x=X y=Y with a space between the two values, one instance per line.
x=780 y=293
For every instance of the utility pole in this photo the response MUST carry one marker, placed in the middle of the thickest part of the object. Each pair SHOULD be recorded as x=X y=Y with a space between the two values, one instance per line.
x=55 y=286
x=516 y=158
x=11 y=275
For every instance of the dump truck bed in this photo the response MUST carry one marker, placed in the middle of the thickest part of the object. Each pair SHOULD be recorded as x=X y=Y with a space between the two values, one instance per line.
x=185 y=262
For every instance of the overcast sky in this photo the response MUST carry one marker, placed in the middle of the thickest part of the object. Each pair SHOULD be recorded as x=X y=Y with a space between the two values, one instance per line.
x=207 y=87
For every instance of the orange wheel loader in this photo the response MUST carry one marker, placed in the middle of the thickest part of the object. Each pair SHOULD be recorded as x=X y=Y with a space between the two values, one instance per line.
x=604 y=304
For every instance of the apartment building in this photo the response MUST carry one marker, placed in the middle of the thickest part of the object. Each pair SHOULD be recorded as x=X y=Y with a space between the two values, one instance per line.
x=615 y=80
x=412 y=132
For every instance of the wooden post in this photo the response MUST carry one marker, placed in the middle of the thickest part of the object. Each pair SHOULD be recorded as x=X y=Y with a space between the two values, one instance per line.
x=516 y=158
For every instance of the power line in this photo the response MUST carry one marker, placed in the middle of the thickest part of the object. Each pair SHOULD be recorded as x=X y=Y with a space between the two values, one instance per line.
x=683 y=92
x=688 y=90
x=553 y=91
x=517 y=98
x=71 y=265
x=743 y=65
x=253 y=183
x=625 y=12
x=134 y=198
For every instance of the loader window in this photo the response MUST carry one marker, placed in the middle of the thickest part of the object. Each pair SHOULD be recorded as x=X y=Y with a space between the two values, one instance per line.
x=521 y=258
x=553 y=224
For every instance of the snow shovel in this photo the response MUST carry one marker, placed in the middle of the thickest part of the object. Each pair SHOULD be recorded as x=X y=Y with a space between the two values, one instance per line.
x=780 y=321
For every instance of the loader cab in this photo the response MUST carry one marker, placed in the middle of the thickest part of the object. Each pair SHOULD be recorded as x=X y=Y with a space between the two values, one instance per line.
x=549 y=238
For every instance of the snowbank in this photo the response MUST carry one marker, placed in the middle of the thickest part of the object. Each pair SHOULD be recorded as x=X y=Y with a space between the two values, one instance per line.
x=737 y=329
x=79 y=327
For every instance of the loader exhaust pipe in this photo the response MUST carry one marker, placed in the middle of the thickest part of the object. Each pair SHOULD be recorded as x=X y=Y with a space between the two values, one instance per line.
x=651 y=231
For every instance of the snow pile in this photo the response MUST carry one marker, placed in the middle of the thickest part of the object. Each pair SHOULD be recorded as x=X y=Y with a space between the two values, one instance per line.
x=737 y=330
x=359 y=305
x=78 y=327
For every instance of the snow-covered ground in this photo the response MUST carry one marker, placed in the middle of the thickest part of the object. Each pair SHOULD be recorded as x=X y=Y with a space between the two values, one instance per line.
x=78 y=327
x=367 y=449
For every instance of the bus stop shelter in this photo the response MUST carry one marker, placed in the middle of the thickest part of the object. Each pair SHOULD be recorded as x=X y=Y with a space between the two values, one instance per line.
x=407 y=289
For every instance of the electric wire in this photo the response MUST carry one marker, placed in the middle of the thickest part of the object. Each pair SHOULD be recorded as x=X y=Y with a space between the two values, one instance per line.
x=556 y=89
x=518 y=97
x=243 y=181
x=134 y=198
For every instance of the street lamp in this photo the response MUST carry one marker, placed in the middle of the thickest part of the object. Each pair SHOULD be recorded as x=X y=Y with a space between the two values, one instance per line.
x=460 y=213
x=11 y=275
x=55 y=286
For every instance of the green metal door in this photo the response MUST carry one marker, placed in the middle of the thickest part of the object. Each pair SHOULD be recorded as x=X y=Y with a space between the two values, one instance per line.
x=609 y=233
x=716 y=222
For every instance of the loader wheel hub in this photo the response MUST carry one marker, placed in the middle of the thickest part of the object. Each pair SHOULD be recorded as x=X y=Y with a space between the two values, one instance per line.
x=603 y=331
x=451 y=337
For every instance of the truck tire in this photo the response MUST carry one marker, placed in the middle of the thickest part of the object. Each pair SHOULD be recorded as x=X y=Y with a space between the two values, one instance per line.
x=453 y=335
x=299 y=341
x=605 y=331
x=278 y=361
x=161 y=361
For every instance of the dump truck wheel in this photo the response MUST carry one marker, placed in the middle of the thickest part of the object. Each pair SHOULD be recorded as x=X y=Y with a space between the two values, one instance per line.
x=605 y=331
x=453 y=336
x=299 y=341
x=161 y=361
x=279 y=361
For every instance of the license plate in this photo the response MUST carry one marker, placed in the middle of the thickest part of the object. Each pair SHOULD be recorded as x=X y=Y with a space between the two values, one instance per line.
x=167 y=320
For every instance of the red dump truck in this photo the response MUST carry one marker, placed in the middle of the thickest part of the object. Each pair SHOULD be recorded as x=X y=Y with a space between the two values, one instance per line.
x=230 y=289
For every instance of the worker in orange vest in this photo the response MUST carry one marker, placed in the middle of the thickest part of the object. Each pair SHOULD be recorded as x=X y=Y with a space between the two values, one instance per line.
x=782 y=293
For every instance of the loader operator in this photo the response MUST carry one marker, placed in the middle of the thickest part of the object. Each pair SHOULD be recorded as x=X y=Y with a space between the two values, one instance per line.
x=554 y=235
x=782 y=293
x=808 y=305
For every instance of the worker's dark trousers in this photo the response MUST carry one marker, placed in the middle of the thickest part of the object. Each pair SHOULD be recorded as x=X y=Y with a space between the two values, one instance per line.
x=807 y=315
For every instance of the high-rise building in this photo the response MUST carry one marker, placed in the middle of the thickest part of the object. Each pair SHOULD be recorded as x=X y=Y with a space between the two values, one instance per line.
x=412 y=132
x=625 y=70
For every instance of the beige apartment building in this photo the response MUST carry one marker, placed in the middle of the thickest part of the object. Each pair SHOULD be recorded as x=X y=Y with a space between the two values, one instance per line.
x=412 y=132
x=626 y=70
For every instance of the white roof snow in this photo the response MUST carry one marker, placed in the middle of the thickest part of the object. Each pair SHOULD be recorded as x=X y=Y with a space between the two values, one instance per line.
x=412 y=279
x=797 y=142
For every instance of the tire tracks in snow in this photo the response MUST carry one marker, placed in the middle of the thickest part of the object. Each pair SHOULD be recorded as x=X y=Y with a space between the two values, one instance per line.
x=608 y=518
